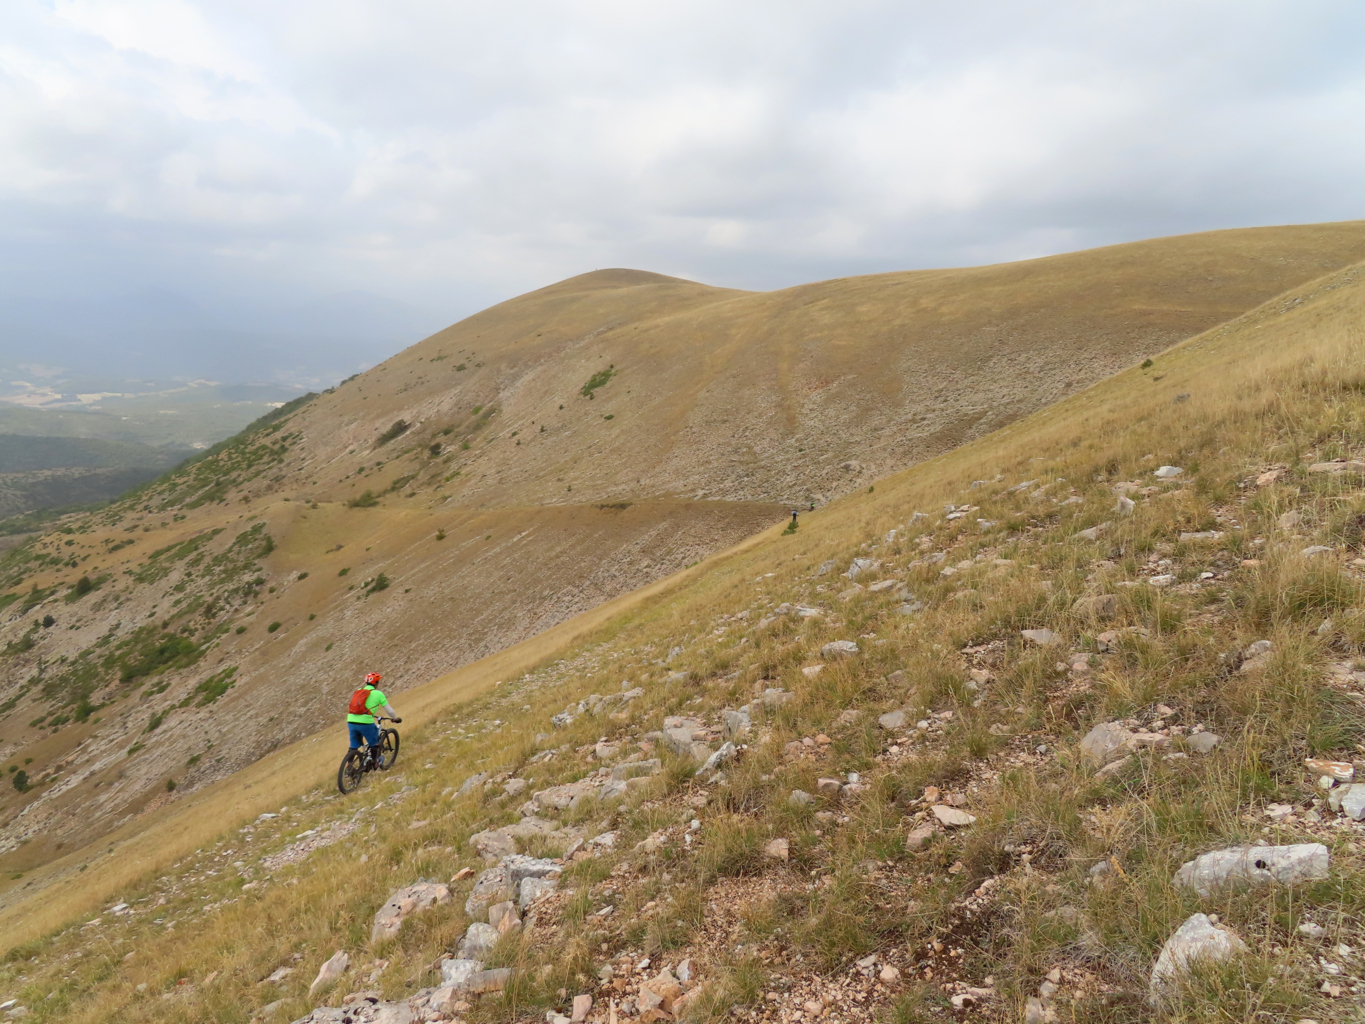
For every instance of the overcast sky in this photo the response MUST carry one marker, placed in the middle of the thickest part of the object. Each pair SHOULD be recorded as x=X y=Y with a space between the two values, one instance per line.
x=249 y=155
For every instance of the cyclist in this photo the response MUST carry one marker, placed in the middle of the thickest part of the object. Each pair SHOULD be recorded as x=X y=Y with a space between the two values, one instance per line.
x=365 y=703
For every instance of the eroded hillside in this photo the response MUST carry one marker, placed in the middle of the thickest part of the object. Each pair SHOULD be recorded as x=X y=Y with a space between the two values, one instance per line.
x=527 y=464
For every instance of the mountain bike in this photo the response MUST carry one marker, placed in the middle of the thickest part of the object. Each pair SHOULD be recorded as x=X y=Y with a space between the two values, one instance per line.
x=368 y=759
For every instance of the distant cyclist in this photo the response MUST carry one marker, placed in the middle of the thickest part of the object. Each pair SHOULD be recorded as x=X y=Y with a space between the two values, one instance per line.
x=367 y=702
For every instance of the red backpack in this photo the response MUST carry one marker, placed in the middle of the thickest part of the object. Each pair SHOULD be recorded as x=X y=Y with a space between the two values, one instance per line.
x=358 y=701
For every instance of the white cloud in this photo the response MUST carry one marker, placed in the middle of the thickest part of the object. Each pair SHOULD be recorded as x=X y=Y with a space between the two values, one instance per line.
x=429 y=149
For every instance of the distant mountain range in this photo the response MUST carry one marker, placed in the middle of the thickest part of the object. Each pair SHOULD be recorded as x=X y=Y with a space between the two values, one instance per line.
x=162 y=334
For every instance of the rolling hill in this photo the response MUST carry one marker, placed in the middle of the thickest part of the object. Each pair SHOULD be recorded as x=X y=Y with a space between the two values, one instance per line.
x=522 y=467
x=990 y=726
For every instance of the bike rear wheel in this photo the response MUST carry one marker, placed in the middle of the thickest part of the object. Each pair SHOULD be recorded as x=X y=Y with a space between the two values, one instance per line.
x=351 y=770
x=388 y=748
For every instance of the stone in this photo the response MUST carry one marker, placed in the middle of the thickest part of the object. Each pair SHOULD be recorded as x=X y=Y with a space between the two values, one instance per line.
x=826 y=567
x=1093 y=533
x=1257 y=649
x=1314 y=550
x=1041 y=637
x=1290 y=519
x=893 y=720
x=636 y=769
x=1353 y=801
x=661 y=994
x=1195 y=940
x=800 y=798
x=1353 y=467
x=828 y=788
x=1100 y=606
x=838 y=649
x=860 y=566
x=404 y=902
x=1164 y=579
x=1203 y=742
x=1338 y=771
x=727 y=753
x=493 y=845
x=1254 y=865
x=472 y=784
x=330 y=971
x=504 y=916
x=889 y=975
x=1125 y=505
x=1167 y=472
x=919 y=836
x=811 y=671
x=502 y=881
x=1105 y=742
x=1191 y=537
x=775 y=697
x=277 y=976
x=910 y=608
x=563 y=798
x=677 y=736
x=456 y=973
x=581 y=1005
x=520 y=866
x=952 y=817
x=777 y=849
x=533 y=888
x=606 y=751
x=738 y=723
x=478 y=942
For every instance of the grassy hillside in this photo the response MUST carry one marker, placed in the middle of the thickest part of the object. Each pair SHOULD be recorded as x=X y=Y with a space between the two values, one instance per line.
x=442 y=507
x=793 y=395
x=1225 y=600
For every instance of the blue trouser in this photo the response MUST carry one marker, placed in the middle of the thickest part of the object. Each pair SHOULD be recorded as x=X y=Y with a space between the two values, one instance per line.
x=368 y=731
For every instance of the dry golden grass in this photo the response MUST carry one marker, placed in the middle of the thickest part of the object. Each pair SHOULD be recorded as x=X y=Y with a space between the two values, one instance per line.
x=1280 y=385
x=540 y=498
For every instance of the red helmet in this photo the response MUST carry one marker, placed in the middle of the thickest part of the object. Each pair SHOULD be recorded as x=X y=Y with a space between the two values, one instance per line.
x=372 y=678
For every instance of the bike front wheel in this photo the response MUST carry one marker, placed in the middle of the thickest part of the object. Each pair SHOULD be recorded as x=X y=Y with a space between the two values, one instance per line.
x=388 y=748
x=351 y=770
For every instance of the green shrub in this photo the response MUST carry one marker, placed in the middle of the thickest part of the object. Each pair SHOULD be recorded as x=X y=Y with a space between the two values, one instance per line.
x=366 y=500
x=380 y=582
x=399 y=428
x=20 y=781
x=272 y=627
x=150 y=654
x=597 y=380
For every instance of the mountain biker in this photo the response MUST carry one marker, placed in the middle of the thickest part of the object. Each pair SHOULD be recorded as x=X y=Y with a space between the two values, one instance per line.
x=360 y=716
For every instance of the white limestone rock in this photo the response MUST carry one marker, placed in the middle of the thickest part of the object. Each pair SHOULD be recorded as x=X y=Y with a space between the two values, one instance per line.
x=1255 y=865
x=1198 y=939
